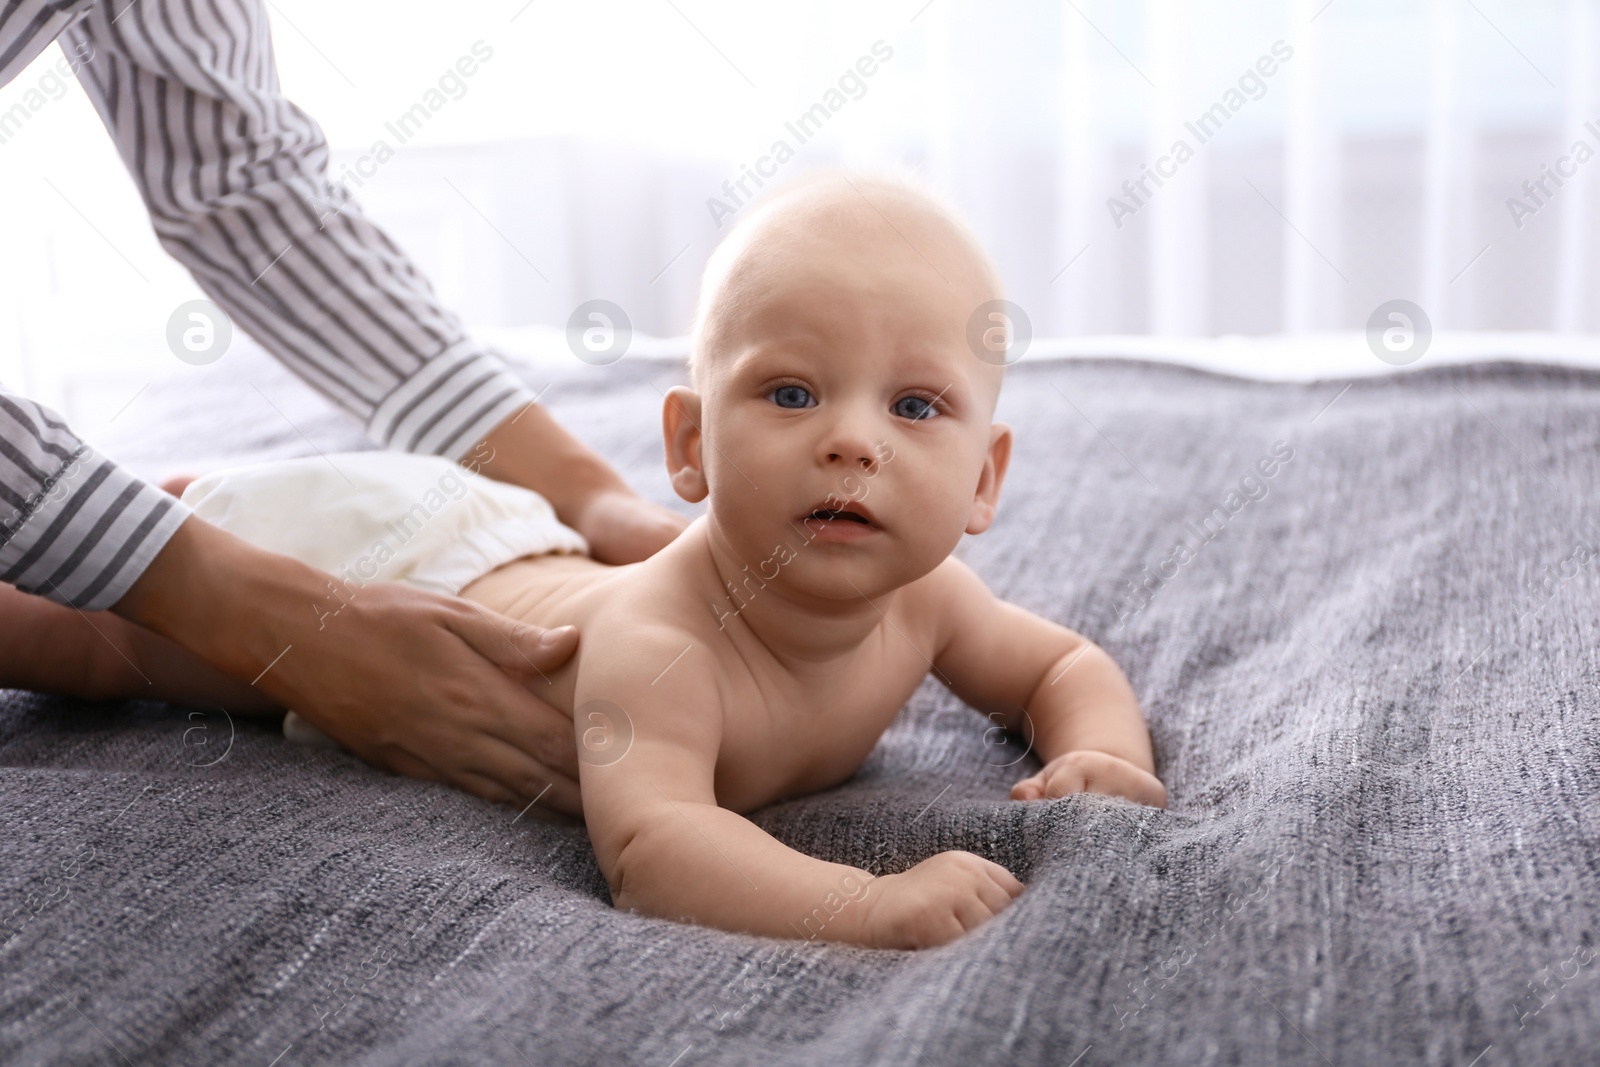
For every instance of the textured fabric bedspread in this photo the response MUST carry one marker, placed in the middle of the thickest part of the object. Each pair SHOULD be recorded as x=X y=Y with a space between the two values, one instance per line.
x=1371 y=682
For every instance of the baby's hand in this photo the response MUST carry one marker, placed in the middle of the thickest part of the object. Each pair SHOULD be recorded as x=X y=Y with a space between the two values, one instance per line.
x=937 y=901
x=1087 y=771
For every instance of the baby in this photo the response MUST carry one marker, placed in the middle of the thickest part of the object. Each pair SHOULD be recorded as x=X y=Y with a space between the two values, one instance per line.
x=839 y=425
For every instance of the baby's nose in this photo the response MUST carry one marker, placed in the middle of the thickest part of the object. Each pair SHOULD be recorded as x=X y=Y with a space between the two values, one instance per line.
x=861 y=458
x=853 y=439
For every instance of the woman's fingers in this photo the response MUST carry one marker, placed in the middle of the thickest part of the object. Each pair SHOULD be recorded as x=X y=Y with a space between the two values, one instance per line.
x=405 y=678
x=512 y=645
x=531 y=782
x=491 y=769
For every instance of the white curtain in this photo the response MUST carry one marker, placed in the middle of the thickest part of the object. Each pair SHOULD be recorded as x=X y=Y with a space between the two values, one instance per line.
x=1340 y=154
x=1394 y=151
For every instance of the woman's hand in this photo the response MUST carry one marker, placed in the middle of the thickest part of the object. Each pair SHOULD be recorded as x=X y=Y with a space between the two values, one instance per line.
x=418 y=683
x=623 y=527
x=531 y=450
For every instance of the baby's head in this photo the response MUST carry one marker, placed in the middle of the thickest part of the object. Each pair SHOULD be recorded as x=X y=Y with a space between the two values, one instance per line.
x=831 y=368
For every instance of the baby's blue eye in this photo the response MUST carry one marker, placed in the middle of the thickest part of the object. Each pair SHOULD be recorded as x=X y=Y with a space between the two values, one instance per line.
x=924 y=411
x=791 y=396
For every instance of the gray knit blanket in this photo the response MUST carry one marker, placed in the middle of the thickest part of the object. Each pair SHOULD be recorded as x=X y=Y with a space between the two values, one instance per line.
x=1362 y=619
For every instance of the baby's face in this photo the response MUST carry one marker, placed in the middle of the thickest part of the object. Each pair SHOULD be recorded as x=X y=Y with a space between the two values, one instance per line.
x=837 y=374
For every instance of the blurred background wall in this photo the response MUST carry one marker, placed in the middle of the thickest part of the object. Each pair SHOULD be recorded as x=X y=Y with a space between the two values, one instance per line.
x=1335 y=154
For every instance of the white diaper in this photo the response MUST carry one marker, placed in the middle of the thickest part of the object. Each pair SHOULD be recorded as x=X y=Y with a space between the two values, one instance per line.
x=381 y=516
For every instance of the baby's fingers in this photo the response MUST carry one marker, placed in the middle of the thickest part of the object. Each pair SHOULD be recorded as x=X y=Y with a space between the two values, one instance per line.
x=1118 y=778
x=973 y=912
x=1029 y=788
x=1062 y=779
x=993 y=896
x=1147 y=789
x=1006 y=880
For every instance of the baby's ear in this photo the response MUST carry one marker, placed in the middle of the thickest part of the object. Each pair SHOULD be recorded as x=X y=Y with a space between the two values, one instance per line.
x=987 y=499
x=680 y=431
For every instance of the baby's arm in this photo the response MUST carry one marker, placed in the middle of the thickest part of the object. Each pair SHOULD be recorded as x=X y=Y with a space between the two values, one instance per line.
x=667 y=849
x=1057 y=688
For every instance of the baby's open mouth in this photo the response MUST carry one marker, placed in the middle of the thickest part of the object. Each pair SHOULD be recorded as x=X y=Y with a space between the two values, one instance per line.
x=849 y=517
x=822 y=513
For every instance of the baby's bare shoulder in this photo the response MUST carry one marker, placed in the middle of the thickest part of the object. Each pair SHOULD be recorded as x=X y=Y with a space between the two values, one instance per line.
x=650 y=648
x=622 y=643
x=964 y=619
x=644 y=680
x=942 y=596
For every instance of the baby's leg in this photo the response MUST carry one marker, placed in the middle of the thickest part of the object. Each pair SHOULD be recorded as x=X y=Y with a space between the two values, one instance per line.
x=96 y=655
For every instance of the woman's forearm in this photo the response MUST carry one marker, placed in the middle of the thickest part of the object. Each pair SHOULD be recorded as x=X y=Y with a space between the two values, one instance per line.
x=532 y=450
x=216 y=595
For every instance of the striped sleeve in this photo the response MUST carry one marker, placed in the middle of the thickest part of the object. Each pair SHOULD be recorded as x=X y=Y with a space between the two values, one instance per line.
x=74 y=527
x=28 y=26
x=235 y=179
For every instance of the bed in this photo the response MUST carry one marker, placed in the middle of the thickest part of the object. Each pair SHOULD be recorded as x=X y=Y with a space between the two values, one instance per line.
x=1371 y=684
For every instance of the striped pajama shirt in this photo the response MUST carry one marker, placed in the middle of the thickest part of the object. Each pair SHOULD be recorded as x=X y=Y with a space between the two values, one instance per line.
x=235 y=179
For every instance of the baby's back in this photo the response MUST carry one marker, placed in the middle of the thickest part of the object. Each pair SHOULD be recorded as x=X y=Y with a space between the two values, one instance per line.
x=788 y=728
